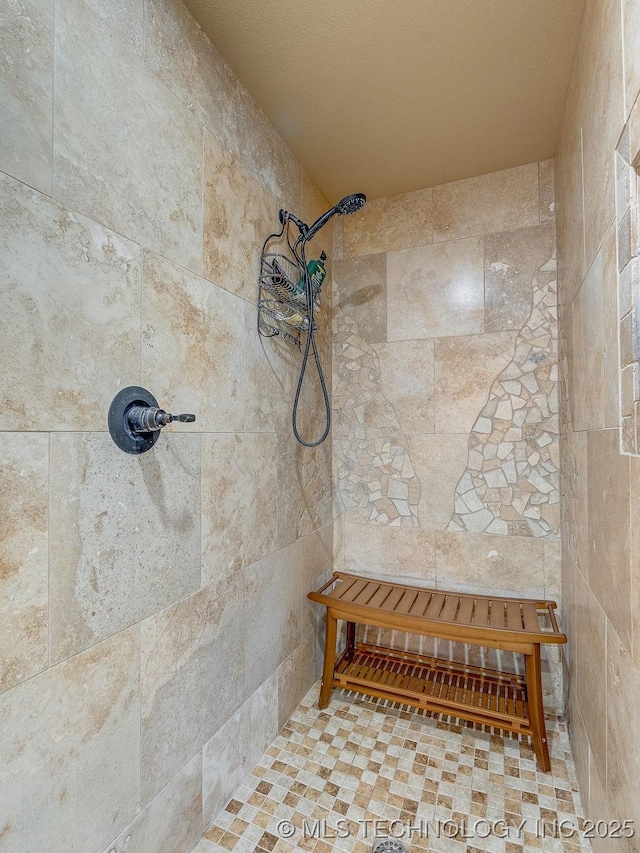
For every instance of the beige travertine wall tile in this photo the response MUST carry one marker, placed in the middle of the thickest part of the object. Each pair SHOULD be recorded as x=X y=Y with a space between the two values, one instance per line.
x=71 y=315
x=304 y=491
x=465 y=369
x=552 y=571
x=590 y=649
x=124 y=17
x=26 y=92
x=588 y=352
x=546 y=191
x=580 y=751
x=439 y=461
x=194 y=657
x=634 y=536
x=141 y=177
x=407 y=377
x=178 y=51
x=24 y=556
x=239 y=516
x=193 y=348
x=70 y=751
x=609 y=546
x=434 y=291
x=319 y=565
x=610 y=361
x=171 y=821
x=125 y=534
x=238 y=215
x=181 y=55
x=602 y=117
x=575 y=506
x=296 y=675
x=570 y=207
x=631 y=31
x=398 y=552
x=623 y=740
x=510 y=260
x=500 y=201
x=361 y=287
x=489 y=564
x=236 y=747
x=272 y=589
x=385 y=224
x=271 y=368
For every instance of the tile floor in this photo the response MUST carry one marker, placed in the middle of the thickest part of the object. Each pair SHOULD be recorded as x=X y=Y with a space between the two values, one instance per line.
x=431 y=783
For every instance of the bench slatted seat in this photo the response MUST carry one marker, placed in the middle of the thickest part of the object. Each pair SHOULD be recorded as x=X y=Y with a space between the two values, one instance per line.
x=508 y=701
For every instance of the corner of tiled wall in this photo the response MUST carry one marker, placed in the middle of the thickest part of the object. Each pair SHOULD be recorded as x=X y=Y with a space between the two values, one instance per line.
x=600 y=570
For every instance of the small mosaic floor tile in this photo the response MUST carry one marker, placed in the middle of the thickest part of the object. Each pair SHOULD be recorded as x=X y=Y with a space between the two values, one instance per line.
x=337 y=779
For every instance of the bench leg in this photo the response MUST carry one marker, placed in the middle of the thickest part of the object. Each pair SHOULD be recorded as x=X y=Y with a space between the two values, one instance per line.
x=536 y=710
x=329 y=660
x=351 y=640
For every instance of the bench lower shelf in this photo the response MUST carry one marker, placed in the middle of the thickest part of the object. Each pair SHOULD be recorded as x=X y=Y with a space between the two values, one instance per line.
x=471 y=693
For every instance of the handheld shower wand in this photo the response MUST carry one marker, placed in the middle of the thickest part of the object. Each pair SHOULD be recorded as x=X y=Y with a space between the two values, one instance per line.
x=349 y=204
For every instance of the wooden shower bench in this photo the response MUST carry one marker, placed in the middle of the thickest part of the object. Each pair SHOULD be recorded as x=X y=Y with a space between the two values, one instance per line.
x=489 y=697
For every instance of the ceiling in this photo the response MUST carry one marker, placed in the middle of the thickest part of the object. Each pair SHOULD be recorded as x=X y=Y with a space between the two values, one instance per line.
x=387 y=96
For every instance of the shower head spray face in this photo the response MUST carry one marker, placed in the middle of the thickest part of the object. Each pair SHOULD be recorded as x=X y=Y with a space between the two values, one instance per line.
x=351 y=203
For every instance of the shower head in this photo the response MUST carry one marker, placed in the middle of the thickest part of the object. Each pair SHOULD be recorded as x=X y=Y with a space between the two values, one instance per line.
x=349 y=204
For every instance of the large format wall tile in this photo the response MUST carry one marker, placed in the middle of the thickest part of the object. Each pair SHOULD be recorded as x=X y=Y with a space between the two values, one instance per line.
x=70 y=751
x=505 y=565
x=239 y=214
x=271 y=369
x=272 y=590
x=439 y=462
x=26 y=91
x=595 y=401
x=602 y=118
x=193 y=347
x=609 y=539
x=500 y=201
x=239 y=515
x=385 y=224
x=407 y=377
x=511 y=259
x=193 y=677
x=361 y=285
x=631 y=30
x=589 y=648
x=465 y=369
x=623 y=740
x=124 y=17
x=24 y=556
x=127 y=153
x=125 y=534
x=392 y=551
x=172 y=821
x=70 y=323
x=178 y=51
x=435 y=291
x=235 y=749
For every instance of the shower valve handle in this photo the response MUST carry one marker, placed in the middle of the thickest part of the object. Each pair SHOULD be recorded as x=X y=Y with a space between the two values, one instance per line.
x=150 y=418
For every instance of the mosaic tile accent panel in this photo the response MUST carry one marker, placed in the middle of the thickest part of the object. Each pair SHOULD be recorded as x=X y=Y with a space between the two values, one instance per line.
x=376 y=479
x=511 y=484
x=628 y=239
x=364 y=760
